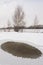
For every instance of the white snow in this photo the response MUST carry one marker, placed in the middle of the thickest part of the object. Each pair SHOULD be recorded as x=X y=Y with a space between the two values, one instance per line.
x=34 y=38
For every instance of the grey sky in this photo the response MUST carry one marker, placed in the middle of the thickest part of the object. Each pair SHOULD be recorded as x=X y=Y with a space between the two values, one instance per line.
x=31 y=8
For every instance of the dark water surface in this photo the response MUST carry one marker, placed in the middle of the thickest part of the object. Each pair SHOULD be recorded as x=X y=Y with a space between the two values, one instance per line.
x=9 y=59
x=21 y=49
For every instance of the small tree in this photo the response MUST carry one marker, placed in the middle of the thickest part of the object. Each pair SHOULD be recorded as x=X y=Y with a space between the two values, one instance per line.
x=9 y=25
x=18 y=18
x=4 y=28
x=36 y=21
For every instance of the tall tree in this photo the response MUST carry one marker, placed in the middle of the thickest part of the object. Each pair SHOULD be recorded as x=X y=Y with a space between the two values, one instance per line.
x=18 y=18
x=36 y=21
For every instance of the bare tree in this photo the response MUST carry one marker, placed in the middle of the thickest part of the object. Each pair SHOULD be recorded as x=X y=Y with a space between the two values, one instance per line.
x=36 y=22
x=9 y=25
x=18 y=18
x=4 y=28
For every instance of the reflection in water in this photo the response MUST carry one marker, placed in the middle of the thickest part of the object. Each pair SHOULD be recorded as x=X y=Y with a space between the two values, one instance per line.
x=21 y=49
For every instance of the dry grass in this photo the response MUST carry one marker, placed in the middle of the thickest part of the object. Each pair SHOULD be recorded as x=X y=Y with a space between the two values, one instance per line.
x=21 y=50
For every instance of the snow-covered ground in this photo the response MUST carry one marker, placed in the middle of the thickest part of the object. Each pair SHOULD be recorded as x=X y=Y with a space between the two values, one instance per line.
x=35 y=39
x=33 y=30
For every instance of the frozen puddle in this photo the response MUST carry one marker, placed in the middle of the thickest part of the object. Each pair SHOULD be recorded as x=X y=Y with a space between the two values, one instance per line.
x=8 y=59
x=21 y=49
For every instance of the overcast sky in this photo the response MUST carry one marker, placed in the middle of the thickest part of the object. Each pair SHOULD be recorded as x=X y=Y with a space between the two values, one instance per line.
x=31 y=8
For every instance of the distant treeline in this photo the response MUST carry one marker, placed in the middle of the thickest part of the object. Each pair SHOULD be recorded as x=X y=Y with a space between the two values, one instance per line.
x=23 y=27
